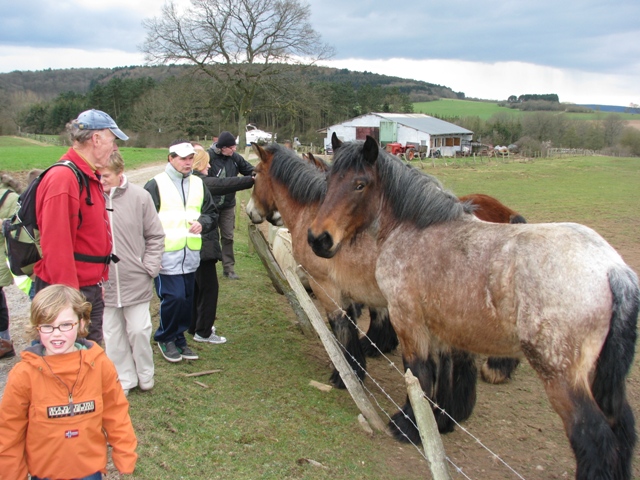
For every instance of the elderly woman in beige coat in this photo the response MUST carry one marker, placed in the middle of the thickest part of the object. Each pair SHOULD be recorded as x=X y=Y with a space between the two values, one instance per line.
x=138 y=242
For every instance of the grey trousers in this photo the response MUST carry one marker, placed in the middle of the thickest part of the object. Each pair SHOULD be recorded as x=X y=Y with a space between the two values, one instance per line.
x=226 y=226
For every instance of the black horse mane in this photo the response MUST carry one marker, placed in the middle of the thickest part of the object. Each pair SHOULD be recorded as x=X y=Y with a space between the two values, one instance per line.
x=306 y=183
x=414 y=196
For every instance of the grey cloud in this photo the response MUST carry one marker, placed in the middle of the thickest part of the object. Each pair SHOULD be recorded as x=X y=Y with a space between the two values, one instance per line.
x=576 y=34
x=587 y=35
x=41 y=23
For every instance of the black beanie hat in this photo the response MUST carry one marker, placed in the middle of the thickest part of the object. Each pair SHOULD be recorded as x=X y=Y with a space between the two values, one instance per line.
x=226 y=140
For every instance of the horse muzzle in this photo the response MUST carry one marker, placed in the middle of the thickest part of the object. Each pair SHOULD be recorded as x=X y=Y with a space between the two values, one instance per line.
x=275 y=219
x=322 y=245
x=253 y=213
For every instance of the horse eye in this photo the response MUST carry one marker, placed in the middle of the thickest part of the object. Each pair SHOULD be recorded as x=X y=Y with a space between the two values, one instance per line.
x=360 y=186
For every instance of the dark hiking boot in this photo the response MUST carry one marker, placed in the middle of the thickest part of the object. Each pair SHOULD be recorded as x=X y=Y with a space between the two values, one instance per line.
x=6 y=349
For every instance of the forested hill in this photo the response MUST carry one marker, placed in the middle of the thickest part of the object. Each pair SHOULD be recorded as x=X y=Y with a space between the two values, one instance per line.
x=47 y=84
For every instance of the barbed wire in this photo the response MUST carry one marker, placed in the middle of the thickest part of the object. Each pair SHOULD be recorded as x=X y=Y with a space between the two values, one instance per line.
x=384 y=392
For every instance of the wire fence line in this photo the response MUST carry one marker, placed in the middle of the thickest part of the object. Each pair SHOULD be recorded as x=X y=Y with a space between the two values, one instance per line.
x=389 y=398
x=49 y=139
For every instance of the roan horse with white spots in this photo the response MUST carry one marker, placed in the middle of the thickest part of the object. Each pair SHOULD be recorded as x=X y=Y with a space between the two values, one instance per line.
x=381 y=338
x=556 y=294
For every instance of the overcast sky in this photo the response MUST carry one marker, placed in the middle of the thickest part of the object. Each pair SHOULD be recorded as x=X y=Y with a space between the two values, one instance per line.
x=586 y=51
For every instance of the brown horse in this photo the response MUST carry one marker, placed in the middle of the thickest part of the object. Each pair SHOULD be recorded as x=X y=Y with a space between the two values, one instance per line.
x=557 y=294
x=380 y=337
x=289 y=191
x=490 y=209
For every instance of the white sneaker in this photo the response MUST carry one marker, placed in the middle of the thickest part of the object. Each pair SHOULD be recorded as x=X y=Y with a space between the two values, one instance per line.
x=213 y=338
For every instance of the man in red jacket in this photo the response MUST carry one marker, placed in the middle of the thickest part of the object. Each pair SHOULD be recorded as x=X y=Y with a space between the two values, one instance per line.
x=74 y=227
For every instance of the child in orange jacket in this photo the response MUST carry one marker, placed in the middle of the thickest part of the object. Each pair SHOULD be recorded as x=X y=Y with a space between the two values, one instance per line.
x=63 y=402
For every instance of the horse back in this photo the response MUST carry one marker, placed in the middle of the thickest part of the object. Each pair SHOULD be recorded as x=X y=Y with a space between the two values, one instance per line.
x=474 y=281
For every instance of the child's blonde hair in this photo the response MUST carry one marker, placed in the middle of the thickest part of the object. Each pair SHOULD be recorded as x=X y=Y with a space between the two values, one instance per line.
x=50 y=301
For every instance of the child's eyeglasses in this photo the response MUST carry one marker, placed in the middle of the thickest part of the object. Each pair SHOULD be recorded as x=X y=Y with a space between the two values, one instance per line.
x=63 y=327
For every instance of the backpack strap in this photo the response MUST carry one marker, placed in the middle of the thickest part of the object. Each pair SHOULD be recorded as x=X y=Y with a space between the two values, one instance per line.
x=83 y=180
x=81 y=257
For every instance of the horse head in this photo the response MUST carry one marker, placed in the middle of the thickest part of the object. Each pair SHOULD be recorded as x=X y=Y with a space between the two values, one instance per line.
x=262 y=204
x=350 y=204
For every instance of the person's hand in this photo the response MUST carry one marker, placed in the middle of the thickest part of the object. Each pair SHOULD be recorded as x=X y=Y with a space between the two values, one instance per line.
x=195 y=227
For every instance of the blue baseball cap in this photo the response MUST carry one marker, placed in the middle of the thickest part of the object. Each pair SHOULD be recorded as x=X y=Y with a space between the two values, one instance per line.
x=97 y=120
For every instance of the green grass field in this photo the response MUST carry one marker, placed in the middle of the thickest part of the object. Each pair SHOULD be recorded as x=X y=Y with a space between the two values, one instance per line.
x=485 y=110
x=19 y=154
x=257 y=417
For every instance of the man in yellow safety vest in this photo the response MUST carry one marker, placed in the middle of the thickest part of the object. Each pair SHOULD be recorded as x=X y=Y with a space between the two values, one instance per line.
x=186 y=211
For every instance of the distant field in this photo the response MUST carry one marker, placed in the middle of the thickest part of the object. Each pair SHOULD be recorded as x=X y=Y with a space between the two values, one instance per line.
x=462 y=108
x=18 y=154
x=485 y=110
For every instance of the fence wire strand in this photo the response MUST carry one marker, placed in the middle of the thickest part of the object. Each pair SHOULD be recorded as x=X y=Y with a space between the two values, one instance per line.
x=383 y=391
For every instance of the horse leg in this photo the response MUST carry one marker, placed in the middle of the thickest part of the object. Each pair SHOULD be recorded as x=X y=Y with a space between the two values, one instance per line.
x=498 y=370
x=344 y=328
x=449 y=380
x=591 y=437
x=465 y=379
x=381 y=337
x=403 y=423
x=455 y=392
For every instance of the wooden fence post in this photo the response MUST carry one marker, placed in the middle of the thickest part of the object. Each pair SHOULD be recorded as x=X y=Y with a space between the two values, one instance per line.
x=335 y=353
x=431 y=441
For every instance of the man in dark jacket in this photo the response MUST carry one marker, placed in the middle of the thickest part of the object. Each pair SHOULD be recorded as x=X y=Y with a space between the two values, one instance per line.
x=225 y=163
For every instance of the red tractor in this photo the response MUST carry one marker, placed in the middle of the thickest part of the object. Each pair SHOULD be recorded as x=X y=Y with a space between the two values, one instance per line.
x=408 y=151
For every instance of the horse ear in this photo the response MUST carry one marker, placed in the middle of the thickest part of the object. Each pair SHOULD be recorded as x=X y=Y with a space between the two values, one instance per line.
x=336 y=143
x=370 y=150
x=318 y=163
x=261 y=152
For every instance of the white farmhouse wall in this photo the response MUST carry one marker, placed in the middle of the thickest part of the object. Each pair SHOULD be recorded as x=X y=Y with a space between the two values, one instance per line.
x=411 y=135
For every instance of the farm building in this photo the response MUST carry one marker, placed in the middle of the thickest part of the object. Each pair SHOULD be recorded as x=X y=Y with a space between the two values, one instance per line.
x=426 y=134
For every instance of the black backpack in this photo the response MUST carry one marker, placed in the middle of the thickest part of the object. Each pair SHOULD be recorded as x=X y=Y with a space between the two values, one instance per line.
x=21 y=232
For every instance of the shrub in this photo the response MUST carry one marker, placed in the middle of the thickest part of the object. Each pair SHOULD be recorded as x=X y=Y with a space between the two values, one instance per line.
x=530 y=147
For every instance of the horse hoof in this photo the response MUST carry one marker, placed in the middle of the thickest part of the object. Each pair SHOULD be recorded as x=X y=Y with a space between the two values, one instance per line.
x=403 y=429
x=336 y=380
x=445 y=424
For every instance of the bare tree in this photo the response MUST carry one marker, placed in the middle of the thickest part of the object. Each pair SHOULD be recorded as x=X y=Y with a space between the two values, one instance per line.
x=613 y=126
x=242 y=44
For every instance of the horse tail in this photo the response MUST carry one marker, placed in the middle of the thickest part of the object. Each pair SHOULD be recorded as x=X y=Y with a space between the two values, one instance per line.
x=614 y=363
